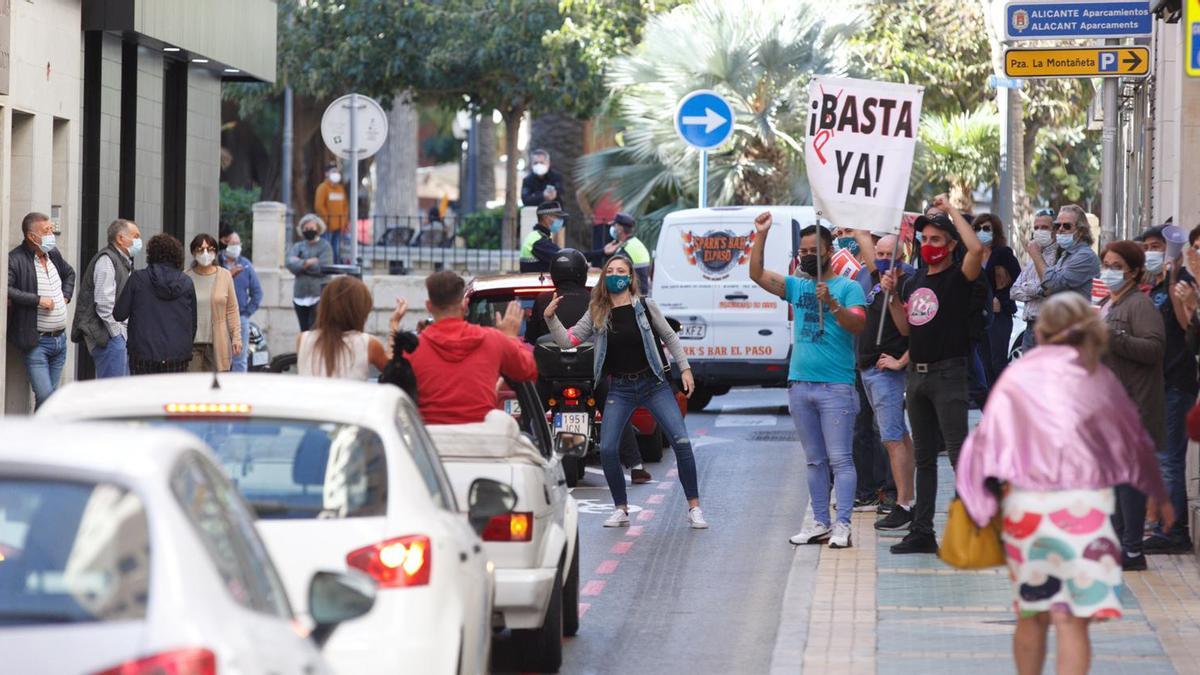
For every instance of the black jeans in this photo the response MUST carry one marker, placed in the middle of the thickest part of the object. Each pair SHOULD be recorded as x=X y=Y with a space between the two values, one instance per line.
x=1130 y=519
x=870 y=457
x=937 y=411
x=307 y=316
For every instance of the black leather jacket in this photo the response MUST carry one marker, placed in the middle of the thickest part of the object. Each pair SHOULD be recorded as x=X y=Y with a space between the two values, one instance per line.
x=23 y=293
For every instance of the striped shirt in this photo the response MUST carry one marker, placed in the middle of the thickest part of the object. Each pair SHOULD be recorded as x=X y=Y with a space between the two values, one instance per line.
x=50 y=286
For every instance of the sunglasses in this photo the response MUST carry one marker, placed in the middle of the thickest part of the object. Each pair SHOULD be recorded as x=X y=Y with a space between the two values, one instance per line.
x=1065 y=227
x=206 y=247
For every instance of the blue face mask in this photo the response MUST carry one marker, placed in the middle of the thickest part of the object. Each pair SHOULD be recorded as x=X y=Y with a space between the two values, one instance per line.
x=848 y=243
x=612 y=232
x=556 y=225
x=985 y=237
x=49 y=242
x=135 y=247
x=616 y=283
x=1065 y=240
x=883 y=265
x=918 y=237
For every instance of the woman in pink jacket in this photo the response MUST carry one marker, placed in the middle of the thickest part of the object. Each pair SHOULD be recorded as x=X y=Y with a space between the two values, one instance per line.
x=1059 y=433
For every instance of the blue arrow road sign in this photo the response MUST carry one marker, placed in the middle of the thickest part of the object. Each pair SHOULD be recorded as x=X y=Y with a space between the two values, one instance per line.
x=704 y=119
x=1065 y=19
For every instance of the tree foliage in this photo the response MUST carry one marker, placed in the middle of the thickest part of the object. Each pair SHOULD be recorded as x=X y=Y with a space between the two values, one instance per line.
x=958 y=150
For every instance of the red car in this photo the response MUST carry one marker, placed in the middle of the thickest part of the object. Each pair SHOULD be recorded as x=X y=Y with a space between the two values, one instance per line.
x=490 y=294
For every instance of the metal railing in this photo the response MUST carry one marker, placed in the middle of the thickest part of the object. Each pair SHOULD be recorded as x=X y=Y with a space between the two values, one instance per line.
x=400 y=244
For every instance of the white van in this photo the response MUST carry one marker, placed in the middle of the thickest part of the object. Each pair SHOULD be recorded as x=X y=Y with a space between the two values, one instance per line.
x=734 y=333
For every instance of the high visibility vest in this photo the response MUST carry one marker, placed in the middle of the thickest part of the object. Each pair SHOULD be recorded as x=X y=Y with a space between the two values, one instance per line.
x=637 y=251
x=527 y=245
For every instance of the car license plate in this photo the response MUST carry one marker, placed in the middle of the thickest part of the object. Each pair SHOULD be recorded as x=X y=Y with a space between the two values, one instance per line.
x=512 y=407
x=571 y=423
x=692 y=331
x=260 y=359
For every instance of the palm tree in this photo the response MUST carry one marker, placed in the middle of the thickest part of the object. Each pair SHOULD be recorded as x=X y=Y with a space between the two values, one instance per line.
x=760 y=56
x=959 y=150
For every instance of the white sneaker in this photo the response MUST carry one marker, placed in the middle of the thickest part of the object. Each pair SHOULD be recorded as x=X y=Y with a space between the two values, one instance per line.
x=813 y=533
x=841 y=536
x=696 y=519
x=619 y=518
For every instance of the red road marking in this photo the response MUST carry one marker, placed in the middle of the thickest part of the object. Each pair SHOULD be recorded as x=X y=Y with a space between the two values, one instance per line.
x=621 y=547
x=673 y=473
x=655 y=499
x=700 y=432
x=592 y=588
x=607 y=567
x=583 y=608
x=634 y=531
x=666 y=485
x=645 y=514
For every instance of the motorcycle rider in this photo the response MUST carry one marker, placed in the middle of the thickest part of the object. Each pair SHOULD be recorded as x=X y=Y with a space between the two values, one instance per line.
x=569 y=271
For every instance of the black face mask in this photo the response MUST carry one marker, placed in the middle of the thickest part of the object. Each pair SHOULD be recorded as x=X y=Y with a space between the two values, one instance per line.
x=310 y=234
x=808 y=264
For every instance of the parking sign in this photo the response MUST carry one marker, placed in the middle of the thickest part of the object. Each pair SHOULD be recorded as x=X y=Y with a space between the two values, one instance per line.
x=1108 y=62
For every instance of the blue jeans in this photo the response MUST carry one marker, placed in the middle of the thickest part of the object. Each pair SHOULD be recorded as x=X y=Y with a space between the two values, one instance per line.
x=44 y=364
x=625 y=396
x=238 y=362
x=824 y=413
x=1029 y=339
x=335 y=242
x=112 y=360
x=1173 y=458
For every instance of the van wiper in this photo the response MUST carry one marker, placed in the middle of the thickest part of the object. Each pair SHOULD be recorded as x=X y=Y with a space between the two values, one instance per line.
x=268 y=508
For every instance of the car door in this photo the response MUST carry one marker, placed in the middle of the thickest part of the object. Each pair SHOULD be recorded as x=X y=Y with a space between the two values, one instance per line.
x=226 y=528
x=747 y=323
x=682 y=287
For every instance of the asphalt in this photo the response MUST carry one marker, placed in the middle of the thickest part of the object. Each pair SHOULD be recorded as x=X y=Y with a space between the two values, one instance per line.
x=661 y=597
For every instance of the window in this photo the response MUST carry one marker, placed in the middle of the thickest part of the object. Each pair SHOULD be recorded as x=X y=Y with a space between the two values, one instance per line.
x=227 y=531
x=424 y=454
x=298 y=468
x=72 y=552
x=483 y=310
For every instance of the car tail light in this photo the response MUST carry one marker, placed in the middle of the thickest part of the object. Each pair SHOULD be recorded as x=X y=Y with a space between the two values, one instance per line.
x=177 y=662
x=516 y=526
x=570 y=392
x=396 y=563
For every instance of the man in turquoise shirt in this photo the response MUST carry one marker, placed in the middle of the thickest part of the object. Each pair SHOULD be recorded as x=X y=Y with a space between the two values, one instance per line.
x=821 y=394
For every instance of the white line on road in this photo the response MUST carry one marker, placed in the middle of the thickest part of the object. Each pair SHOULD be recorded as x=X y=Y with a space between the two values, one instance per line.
x=735 y=420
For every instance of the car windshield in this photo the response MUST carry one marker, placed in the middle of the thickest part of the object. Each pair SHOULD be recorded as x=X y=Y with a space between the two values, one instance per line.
x=297 y=468
x=71 y=552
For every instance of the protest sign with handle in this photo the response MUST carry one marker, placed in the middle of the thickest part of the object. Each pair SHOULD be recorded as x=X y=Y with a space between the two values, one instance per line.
x=861 y=138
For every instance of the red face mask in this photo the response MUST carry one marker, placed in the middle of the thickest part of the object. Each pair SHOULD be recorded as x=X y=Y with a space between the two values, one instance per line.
x=933 y=255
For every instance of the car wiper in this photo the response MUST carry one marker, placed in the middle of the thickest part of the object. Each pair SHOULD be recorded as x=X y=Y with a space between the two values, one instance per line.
x=19 y=617
x=265 y=508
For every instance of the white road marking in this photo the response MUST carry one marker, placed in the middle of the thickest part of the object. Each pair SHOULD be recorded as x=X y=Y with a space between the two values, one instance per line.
x=735 y=420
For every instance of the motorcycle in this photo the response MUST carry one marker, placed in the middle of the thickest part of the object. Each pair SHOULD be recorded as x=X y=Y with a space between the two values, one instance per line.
x=565 y=385
x=258 y=358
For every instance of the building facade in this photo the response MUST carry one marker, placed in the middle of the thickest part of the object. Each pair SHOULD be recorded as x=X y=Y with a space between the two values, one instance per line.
x=112 y=108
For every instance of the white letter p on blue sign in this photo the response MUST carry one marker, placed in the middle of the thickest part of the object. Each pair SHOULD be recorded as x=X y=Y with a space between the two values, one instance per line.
x=1108 y=62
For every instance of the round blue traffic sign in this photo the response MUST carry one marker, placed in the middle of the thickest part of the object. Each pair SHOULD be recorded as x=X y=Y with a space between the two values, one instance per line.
x=704 y=119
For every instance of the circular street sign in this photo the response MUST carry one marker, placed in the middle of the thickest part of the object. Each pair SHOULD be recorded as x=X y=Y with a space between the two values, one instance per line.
x=704 y=119
x=371 y=126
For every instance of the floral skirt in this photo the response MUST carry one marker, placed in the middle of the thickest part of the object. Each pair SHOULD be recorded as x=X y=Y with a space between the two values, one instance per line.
x=1063 y=554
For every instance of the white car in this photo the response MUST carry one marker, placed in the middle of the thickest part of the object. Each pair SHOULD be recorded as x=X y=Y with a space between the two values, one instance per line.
x=342 y=475
x=132 y=554
x=536 y=547
x=733 y=332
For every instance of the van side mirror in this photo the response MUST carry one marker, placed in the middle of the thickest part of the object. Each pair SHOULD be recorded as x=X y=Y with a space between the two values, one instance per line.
x=570 y=445
x=334 y=598
x=487 y=499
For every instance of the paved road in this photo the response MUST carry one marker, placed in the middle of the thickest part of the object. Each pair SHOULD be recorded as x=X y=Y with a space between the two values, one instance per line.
x=661 y=597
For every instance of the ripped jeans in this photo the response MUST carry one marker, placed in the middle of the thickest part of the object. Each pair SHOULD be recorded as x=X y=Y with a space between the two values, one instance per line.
x=824 y=414
x=626 y=394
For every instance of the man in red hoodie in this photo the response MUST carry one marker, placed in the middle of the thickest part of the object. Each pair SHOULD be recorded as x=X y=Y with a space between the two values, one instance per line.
x=457 y=363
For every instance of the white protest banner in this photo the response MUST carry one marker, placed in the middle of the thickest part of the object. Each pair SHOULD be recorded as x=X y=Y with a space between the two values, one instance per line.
x=859 y=154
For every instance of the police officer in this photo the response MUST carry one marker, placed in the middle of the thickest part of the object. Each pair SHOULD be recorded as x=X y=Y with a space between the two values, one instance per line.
x=538 y=249
x=569 y=270
x=624 y=243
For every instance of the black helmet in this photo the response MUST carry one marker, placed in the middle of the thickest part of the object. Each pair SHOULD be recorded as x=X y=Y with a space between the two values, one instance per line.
x=569 y=265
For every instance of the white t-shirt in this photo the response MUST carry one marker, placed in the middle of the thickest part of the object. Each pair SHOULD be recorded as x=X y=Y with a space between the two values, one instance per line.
x=352 y=364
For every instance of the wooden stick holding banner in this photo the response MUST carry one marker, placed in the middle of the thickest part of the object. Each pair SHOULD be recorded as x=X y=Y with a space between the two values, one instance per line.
x=887 y=295
x=817 y=280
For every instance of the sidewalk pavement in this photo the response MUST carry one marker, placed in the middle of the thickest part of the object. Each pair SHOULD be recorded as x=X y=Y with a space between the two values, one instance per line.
x=874 y=612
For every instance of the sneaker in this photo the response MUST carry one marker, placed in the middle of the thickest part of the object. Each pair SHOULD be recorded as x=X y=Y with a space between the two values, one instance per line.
x=1135 y=563
x=886 y=504
x=619 y=518
x=1157 y=544
x=639 y=476
x=899 y=519
x=696 y=519
x=813 y=533
x=916 y=542
x=841 y=536
x=866 y=503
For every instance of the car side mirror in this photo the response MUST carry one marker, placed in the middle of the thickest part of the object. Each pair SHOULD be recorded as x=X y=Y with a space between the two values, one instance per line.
x=334 y=598
x=570 y=445
x=487 y=499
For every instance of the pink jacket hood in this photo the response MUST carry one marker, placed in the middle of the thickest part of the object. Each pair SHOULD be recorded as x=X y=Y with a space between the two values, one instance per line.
x=1049 y=424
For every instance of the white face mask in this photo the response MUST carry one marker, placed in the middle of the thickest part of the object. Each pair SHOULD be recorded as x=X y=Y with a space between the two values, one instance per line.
x=541 y=169
x=206 y=258
x=335 y=177
x=1043 y=238
x=233 y=251
x=1154 y=261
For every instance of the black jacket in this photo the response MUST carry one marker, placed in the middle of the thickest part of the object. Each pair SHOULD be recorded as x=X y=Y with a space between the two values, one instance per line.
x=160 y=304
x=23 y=295
x=574 y=304
x=534 y=185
